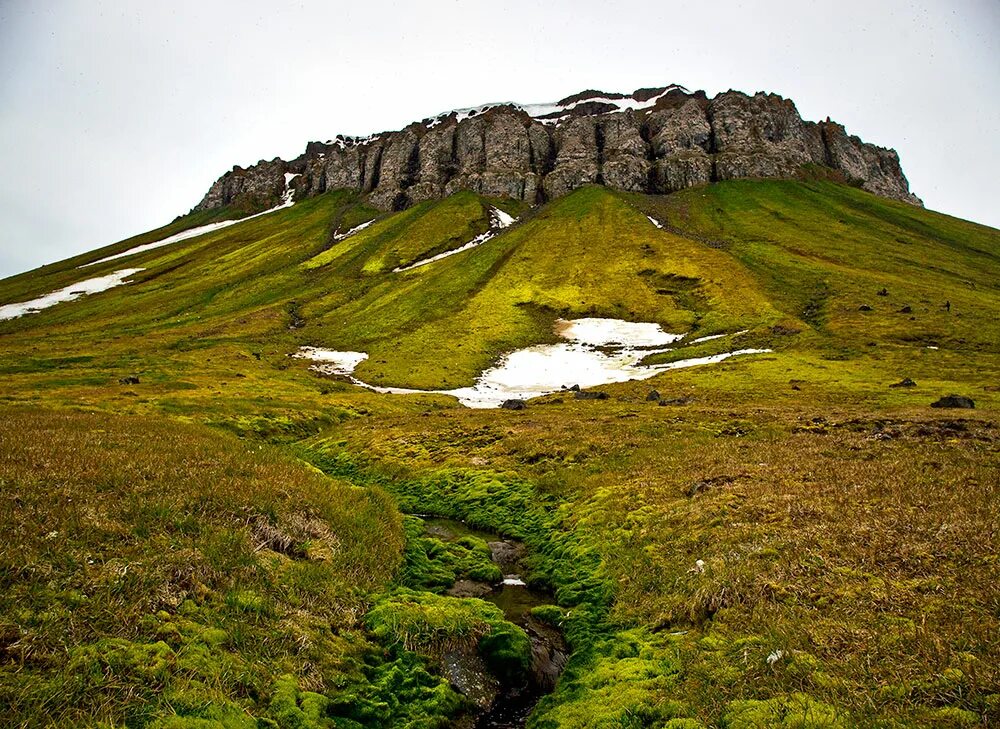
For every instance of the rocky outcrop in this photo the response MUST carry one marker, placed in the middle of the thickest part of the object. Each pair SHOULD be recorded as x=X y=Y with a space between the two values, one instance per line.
x=655 y=141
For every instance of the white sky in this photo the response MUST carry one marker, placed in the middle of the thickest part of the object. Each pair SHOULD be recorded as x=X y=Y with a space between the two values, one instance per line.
x=115 y=117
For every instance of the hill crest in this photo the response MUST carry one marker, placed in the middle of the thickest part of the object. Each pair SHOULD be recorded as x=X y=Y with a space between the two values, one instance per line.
x=656 y=140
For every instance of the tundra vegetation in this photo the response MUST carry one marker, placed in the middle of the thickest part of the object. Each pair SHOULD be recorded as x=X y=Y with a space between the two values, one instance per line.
x=201 y=531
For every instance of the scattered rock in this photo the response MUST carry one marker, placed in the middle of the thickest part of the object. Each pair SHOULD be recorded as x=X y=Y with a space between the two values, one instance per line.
x=905 y=382
x=677 y=401
x=906 y=309
x=653 y=395
x=513 y=405
x=954 y=401
x=864 y=307
x=699 y=567
x=130 y=380
x=574 y=388
x=883 y=292
x=590 y=395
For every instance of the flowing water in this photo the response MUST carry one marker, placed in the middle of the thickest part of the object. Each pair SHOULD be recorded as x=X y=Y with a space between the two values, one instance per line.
x=513 y=704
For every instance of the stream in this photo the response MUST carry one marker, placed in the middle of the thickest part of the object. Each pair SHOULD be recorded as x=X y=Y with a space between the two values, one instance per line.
x=504 y=707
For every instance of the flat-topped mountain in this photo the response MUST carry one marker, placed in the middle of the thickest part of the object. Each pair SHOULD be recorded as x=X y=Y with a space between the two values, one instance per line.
x=657 y=140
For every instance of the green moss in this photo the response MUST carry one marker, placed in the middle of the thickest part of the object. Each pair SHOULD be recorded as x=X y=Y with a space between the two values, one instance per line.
x=435 y=564
x=431 y=624
x=796 y=711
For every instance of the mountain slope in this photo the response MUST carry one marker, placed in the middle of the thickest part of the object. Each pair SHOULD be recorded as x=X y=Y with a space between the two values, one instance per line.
x=781 y=538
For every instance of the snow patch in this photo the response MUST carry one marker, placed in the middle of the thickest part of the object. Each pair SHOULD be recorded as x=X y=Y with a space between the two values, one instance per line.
x=352 y=231
x=655 y=222
x=70 y=293
x=331 y=362
x=286 y=202
x=514 y=581
x=598 y=332
x=544 y=112
x=501 y=219
x=498 y=221
x=598 y=352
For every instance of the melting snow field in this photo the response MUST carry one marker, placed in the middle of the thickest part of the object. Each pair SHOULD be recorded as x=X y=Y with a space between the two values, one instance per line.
x=598 y=352
x=498 y=221
x=286 y=202
x=70 y=293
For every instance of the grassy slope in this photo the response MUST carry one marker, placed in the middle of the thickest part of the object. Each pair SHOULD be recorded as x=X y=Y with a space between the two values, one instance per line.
x=154 y=571
x=843 y=522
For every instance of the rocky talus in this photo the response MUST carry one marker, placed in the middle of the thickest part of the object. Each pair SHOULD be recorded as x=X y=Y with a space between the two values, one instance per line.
x=654 y=141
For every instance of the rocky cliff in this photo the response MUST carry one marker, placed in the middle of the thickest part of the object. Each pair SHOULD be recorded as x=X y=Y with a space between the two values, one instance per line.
x=654 y=140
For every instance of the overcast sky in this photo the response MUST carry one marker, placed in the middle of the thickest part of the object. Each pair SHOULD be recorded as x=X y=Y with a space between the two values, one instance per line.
x=115 y=117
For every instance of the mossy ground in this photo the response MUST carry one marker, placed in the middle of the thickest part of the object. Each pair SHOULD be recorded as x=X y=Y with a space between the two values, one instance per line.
x=844 y=527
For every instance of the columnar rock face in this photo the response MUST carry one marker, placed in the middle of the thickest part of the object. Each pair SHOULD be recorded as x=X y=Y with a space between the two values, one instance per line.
x=656 y=141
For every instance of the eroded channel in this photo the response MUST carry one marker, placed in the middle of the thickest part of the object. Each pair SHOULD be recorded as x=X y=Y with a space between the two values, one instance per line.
x=503 y=706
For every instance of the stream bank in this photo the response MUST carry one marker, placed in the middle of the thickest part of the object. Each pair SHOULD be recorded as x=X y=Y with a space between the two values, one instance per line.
x=502 y=705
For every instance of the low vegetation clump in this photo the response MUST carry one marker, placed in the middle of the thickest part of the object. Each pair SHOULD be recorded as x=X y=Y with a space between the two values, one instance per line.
x=435 y=625
x=436 y=564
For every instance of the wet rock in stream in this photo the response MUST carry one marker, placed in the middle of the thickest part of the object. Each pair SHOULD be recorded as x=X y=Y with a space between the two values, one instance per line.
x=507 y=555
x=469 y=588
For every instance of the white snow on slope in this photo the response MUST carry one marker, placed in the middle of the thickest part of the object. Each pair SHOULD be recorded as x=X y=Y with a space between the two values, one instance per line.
x=545 y=110
x=70 y=293
x=710 y=337
x=498 y=221
x=330 y=362
x=352 y=231
x=599 y=352
x=655 y=222
x=286 y=202
x=598 y=332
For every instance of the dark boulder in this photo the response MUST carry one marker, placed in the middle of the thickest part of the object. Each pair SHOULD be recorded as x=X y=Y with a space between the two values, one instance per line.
x=906 y=310
x=591 y=395
x=864 y=307
x=513 y=405
x=905 y=382
x=883 y=292
x=130 y=380
x=653 y=396
x=954 y=401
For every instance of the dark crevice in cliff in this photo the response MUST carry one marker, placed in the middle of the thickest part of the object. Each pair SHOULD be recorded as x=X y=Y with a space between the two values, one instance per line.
x=369 y=185
x=412 y=167
x=599 y=144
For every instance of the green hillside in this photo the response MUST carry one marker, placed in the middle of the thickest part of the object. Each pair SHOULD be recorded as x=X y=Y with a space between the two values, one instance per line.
x=787 y=541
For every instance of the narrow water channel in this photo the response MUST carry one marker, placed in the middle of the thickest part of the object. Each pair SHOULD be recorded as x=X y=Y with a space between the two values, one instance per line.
x=513 y=704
